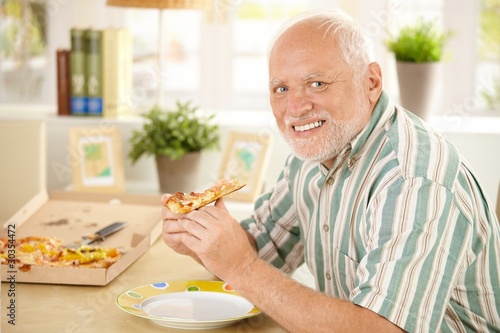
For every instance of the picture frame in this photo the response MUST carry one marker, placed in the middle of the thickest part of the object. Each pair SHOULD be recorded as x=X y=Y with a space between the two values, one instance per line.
x=246 y=158
x=97 y=160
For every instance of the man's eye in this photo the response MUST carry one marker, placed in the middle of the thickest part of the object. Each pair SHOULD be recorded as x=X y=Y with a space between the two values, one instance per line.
x=280 y=90
x=317 y=84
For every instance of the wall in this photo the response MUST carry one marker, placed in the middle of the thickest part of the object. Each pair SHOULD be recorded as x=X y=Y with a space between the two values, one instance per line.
x=482 y=152
x=142 y=176
x=478 y=140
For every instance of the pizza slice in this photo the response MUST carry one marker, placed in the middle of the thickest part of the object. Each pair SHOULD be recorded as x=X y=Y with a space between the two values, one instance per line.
x=50 y=252
x=180 y=202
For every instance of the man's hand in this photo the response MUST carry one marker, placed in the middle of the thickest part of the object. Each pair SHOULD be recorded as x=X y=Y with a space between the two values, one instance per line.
x=210 y=235
x=173 y=231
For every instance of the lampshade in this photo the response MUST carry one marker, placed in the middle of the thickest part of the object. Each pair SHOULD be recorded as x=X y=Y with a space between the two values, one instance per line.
x=163 y=4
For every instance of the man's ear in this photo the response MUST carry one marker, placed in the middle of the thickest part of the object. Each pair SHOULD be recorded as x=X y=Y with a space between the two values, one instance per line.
x=374 y=77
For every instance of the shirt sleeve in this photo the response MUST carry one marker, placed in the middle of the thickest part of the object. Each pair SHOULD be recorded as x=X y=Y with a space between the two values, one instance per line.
x=275 y=228
x=417 y=248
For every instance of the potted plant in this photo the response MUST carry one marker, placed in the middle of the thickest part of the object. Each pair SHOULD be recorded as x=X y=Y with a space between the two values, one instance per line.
x=419 y=51
x=176 y=138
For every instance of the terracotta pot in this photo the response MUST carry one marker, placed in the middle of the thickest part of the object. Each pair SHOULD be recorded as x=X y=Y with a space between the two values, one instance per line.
x=180 y=175
x=420 y=87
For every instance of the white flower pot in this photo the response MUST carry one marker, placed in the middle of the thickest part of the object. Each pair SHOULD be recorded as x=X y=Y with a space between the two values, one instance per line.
x=420 y=87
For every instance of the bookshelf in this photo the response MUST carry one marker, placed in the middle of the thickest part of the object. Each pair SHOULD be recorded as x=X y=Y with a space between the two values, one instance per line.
x=99 y=67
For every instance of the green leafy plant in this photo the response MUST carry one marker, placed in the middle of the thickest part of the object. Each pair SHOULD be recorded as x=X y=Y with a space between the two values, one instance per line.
x=174 y=133
x=421 y=42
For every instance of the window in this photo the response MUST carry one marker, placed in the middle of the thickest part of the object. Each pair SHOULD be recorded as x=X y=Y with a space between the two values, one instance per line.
x=472 y=65
x=387 y=20
x=220 y=61
x=225 y=64
x=181 y=58
x=252 y=26
x=488 y=69
x=22 y=50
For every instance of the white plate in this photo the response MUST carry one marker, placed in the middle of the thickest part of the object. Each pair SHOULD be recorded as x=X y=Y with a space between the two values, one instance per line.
x=187 y=304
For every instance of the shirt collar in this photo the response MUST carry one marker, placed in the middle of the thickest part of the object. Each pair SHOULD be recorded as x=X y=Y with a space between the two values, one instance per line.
x=383 y=110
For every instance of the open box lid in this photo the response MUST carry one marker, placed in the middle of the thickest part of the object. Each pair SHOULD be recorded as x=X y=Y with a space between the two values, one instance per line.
x=69 y=215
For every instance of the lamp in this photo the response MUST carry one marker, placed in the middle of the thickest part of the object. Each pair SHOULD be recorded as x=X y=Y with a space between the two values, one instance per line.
x=162 y=4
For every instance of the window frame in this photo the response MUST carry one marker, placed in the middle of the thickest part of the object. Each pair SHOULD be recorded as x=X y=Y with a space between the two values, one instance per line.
x=460 y=98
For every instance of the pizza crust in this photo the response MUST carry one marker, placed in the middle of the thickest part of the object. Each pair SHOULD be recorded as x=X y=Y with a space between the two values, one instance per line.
x=181 y=203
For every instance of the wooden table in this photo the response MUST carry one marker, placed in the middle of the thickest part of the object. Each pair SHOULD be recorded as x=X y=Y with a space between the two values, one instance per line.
x=79 y=309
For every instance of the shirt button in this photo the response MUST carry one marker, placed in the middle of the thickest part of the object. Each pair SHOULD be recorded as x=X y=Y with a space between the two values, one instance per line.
x=329 y=181
x=351 y=163
x=326 y=228
x=328 y=276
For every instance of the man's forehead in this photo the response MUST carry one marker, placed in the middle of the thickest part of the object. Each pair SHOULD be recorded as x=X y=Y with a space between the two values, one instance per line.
x=302 y=38
x=314 y=26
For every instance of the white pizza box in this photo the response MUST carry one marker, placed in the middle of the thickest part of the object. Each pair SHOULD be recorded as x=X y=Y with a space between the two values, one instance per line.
x=69 y=215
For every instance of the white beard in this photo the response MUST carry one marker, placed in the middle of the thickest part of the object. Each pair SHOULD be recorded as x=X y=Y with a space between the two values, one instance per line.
x=326 y=147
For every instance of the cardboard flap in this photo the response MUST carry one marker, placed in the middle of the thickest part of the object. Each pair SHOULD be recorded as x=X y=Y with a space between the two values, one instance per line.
x=27 y=210
x=69 y=215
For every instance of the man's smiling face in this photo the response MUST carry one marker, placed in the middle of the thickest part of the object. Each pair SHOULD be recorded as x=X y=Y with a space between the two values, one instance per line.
x=317 y=106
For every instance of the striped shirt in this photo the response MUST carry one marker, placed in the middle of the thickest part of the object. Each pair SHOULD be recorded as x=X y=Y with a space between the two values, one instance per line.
x=399 y=225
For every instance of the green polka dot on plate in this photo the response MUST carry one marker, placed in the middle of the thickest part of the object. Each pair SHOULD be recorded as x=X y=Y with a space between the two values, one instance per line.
x=133 y=294
x=193 y=288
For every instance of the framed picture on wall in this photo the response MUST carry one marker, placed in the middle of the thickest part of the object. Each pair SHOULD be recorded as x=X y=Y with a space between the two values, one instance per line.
x=245 y=158
x=97 y=160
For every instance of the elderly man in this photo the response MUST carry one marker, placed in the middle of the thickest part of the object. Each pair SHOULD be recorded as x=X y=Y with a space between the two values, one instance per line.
x=387 y=215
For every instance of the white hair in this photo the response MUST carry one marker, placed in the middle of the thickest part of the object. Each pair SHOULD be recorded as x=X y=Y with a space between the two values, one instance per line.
x=354 y=44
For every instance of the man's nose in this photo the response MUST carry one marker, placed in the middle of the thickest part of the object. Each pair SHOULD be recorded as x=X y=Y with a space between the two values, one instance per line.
x=299 y=102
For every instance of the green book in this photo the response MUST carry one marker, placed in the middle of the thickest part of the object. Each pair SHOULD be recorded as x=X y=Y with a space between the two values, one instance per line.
x=78 y=67
x=94 y=72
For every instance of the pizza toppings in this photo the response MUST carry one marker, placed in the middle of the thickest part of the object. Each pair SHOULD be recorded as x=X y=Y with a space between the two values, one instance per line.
x=181 y=202
x=50 y=252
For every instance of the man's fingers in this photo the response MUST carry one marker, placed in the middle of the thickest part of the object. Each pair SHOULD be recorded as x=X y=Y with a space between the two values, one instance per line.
x=165 y=197
x=172 y=226
x=220 y=204
x=193 y=227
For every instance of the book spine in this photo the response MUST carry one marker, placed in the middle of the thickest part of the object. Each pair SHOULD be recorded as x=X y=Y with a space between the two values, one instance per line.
x=63 y=82
x=78 y=72
x=94 y=72
x=117 y=72
x=125 y=62
x=110 y=72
